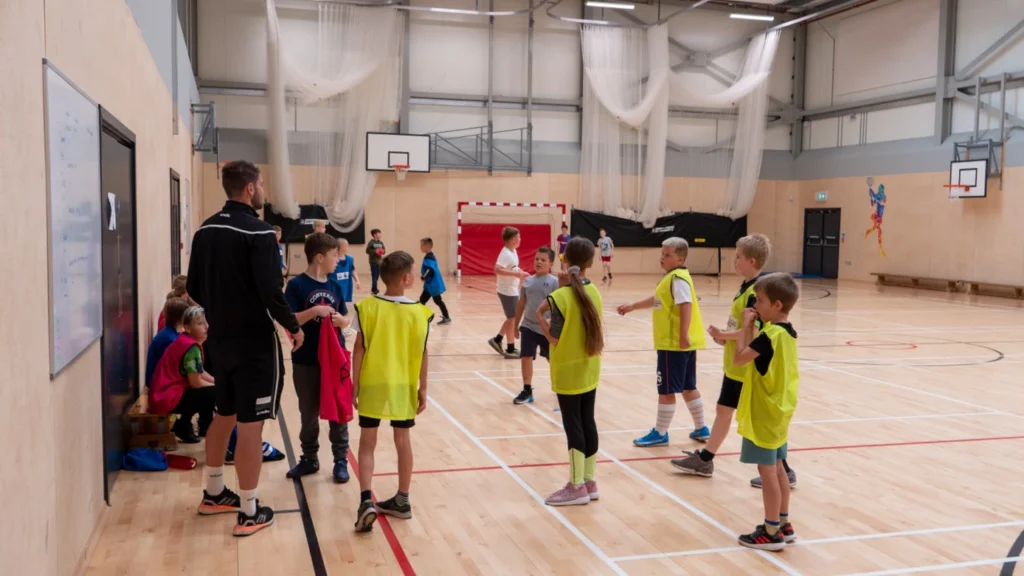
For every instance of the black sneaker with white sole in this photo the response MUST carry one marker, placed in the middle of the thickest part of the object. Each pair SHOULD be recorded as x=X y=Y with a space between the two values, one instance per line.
x=391 y=507
x=366 y=516
x=760 y=539
x=525 y=397
x=226 y=501
x=249 y=525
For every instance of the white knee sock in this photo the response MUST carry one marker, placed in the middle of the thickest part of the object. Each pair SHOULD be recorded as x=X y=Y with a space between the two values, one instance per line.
x=697 y=412
x=214 y=480
x=665 y=414
x=248 y=498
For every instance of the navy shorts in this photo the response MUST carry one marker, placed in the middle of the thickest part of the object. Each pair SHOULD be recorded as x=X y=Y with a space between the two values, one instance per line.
x=677 y=371
x=530 y=342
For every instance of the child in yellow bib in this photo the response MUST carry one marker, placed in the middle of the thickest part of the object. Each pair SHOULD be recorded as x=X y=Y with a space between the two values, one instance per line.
x=678 y=334
x=389 y=380
x=767 y=402
x=752 y=254
x=576 y=340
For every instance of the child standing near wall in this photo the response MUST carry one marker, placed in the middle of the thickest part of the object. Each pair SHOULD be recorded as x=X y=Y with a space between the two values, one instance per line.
x=345 y=275
x=375 y=251
x=509 y=274
x=607 y=247
x=534 y=293
x=433 y=282
x=576 y=337
x=389 y=379
x=280 y=251
x=678 y=334
x=563 y=240
x=315 y=297
x=767 y=402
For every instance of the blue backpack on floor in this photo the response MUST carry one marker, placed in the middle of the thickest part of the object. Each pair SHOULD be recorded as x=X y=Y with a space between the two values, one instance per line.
x=144 y=460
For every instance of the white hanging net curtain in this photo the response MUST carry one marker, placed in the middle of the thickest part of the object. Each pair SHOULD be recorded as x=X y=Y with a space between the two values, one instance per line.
x=352 y=87
x=625 y=120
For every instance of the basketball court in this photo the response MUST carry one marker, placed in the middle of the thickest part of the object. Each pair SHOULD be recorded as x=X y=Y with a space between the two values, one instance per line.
x=906 y=443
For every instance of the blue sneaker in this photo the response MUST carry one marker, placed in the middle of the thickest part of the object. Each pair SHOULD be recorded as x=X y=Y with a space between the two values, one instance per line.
x=340 y=472
x=701 y=435
x=652 y=439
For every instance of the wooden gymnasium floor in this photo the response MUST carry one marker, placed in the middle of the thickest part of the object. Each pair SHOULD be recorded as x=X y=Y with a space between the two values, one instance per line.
x=907 y=441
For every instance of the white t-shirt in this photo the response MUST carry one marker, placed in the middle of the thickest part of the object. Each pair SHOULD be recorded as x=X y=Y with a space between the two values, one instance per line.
x=509 y=260
x=401 y=299
x=681 y=293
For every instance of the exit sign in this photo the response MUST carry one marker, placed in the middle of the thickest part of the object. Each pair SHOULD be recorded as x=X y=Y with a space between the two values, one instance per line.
x=821 y=196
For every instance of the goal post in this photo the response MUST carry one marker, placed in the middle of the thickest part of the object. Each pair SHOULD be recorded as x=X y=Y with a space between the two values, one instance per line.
x=461 y=232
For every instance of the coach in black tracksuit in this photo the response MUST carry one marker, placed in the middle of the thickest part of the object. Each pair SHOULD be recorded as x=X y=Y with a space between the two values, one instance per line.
x=235 y=275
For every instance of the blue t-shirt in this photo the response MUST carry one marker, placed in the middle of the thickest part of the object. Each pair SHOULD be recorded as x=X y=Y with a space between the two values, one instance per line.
x=280 y=250
x=343 y=276
x=157 y=347
x=303 y=293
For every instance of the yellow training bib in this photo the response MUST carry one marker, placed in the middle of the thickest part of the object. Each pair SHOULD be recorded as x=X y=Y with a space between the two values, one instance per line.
x=666 y=315
x=739 y=304
x=394 y=338
x=767 y=402
x=572 y=371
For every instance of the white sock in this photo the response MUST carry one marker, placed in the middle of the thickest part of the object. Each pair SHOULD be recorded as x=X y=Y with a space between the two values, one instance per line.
x=665 y=414
x=214 y=480
x=248 y=498
x=697 y=412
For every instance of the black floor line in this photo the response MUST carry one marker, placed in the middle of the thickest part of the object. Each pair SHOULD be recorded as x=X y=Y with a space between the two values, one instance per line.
x=315 y=554
x=1010 y=565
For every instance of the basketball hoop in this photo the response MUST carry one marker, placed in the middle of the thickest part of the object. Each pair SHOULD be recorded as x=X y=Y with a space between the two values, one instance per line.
x=964 y=187
x=400 y=171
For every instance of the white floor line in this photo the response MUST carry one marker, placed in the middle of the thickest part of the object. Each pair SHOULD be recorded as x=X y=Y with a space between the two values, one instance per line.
x=793 y=423
x=922 y=392
x=533 y=493
x=812 y=542
x=658 y=487
x=939 y=567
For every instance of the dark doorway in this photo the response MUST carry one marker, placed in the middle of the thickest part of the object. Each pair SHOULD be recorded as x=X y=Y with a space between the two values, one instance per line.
x=119 y=363
x=821 y=242
x=175 y=224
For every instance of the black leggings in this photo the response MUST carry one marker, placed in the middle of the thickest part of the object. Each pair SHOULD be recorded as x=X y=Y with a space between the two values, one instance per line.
x=437 y=300
x=578 y=420
x=197 y=401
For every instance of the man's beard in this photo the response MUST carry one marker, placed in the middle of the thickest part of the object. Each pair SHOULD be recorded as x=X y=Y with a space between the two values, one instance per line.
x=257 y=202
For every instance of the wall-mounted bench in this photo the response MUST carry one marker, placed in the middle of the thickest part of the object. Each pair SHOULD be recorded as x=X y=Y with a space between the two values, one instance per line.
x=949 y=284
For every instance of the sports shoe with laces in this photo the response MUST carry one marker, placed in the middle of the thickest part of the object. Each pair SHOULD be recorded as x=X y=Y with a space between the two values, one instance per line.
x=694 y=466
x=305 y=467
x=523 y=398
x=226 y=501
x=366 y=516
x=249 y=525
x=652 y=438
x=391 y=507
x=760 y=539
x=569 y=495
x=700 y=434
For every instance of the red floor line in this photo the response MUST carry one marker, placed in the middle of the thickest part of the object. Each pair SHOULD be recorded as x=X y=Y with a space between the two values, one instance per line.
x=720 y=454
x=389 y=533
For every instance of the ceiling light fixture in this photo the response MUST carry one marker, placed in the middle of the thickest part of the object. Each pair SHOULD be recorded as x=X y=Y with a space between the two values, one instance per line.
x=616 y=5
x=763 y=18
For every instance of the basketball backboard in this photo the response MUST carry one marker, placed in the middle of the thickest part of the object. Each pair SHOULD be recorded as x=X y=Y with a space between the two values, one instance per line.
x=969 y=178
x=384 y=151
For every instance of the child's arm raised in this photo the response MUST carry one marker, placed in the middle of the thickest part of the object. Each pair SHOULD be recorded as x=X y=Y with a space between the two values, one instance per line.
x=357 y=364
x=310 y=313
x=744 y=353
x=638 y=305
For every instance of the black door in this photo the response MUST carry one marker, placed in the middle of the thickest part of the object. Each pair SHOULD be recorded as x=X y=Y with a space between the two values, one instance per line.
x=175 y=224
x=120 y=327
x=821 y=242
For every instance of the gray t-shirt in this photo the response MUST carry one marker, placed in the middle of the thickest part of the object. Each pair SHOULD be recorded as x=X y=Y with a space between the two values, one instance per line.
x=606 y=245
x=536 y=290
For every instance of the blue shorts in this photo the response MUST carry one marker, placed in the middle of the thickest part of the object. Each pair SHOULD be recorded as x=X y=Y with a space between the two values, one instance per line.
x=677 y=371
x=530 y=342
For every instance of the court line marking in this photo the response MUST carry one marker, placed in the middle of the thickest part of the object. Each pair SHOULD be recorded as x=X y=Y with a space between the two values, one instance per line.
x=389 y=533
x=795 y=422
x=658 y=488
x=316 y=556
x=833 y=540
x=938 y=567
x=529 y=489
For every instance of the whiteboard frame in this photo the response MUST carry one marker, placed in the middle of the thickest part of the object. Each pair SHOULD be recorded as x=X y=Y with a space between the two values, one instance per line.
x=48 y=65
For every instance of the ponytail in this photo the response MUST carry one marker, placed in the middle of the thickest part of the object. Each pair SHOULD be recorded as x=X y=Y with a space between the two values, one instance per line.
x=579 y=252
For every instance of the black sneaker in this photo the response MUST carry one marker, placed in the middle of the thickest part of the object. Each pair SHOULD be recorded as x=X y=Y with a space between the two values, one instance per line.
x=226 y=501
x=341 y=472
x=512 y=354
x=392 y=508
x=524 y=398
x=493 y=343
x=788 y=533
x=249 y=525
x=305 y=467
x=759 y=539
x=185 y=433
x=366 y=516
x=444 y=322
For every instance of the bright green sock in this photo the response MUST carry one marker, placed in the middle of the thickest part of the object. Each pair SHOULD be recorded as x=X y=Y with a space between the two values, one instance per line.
x=576 y=467
x=589 y=464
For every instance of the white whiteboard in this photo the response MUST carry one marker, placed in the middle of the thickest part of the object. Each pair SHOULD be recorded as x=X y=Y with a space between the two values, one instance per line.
x=74 y=219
